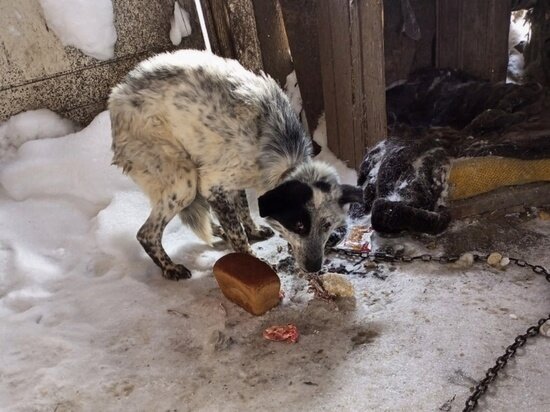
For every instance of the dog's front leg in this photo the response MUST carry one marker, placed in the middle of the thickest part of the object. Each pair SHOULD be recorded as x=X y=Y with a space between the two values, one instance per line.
x=253 y=231
x=224 y=208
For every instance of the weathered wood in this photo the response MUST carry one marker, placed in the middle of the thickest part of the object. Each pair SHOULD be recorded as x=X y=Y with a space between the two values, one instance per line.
x=273 y=40
x=328 y=84
x=374 y=89
x=213 y=36
x=472 y=35
x=235 y=30
x=301 y=17
x=243 y=31
x=404 y=54
x=530 y=195
x=352 y=65
x=537 y=52
x=339 y=21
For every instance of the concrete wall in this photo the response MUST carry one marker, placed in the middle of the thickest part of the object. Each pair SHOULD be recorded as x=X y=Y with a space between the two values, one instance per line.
x=36 y=71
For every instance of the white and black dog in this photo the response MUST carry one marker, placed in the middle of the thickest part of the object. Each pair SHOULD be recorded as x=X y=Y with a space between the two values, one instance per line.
x=194 y=130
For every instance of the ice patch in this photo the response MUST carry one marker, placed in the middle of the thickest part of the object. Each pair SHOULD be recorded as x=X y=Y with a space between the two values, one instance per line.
x=85 y=24
x=180 y=25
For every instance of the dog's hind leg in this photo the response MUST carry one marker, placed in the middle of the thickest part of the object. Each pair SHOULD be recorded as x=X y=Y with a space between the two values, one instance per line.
x=253 y=231
x=150 y=237
x=171 y=187
x=223 y=205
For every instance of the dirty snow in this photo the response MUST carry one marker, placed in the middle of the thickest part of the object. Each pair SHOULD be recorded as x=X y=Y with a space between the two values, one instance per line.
x=87 y=323
x=85 y=24
x=180 y=25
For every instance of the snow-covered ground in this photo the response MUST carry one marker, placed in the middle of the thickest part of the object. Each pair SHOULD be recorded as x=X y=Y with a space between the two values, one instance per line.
x=88 y=324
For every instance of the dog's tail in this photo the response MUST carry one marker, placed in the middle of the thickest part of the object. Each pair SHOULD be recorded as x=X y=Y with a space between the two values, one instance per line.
x=394 y=217
x=197 y=217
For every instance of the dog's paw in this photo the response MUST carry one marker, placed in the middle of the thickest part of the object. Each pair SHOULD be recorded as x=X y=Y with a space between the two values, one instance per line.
x=176 y=272
x=261 y=233
x=217 y=231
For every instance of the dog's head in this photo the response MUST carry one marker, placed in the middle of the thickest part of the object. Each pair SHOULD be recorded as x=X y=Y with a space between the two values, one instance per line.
x=306 y=208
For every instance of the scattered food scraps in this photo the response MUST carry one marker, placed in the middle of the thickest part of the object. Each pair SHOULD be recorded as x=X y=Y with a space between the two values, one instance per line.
x=177 y=313
x=317 y=288
x=337 y=285
x=357 y=240
x=465 y=261
x=504 y=262
x=545 y=329
x=498 y=261
x=494 y=259
x=282 y=333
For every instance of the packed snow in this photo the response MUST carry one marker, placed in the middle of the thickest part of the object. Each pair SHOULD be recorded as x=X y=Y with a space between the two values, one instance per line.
x=180 y=25
x=32 y=125
x=85 y=24
x=87 y=322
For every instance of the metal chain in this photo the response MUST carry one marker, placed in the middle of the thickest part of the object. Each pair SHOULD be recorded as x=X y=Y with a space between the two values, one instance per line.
x=478 y=390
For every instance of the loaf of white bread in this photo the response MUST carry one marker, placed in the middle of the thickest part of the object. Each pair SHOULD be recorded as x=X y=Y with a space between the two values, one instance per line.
x=248 y=282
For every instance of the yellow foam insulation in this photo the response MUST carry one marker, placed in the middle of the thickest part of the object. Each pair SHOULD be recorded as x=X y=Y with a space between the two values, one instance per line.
x=473 y=176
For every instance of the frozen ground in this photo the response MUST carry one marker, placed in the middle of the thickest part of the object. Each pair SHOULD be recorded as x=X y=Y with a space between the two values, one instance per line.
x=88 y=324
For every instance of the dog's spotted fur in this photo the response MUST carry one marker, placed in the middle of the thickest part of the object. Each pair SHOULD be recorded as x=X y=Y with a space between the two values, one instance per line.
x=194 y=130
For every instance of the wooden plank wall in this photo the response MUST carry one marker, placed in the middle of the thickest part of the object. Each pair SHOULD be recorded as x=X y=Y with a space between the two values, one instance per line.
x=231 y=26
x=301 y=22
x=351 y=41
x=403 y=53
x=472 y=35
x=273 y=39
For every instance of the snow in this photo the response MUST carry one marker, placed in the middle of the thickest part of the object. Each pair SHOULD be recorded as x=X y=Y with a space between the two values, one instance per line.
x=292 y=90
x=88 y=323
x=85 y=24
x=44 y=166
x=347 y=175
x=180 y=25
x=31 y=125
x=520 y=31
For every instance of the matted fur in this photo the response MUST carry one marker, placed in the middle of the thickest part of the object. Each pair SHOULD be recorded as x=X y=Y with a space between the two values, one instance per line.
x=194 y=130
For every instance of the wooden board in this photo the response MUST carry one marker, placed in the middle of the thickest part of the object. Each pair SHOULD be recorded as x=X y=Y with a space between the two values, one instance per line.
x=531 y=195
x=472 y=35
x=273 y=40
x=232 y=25
x=352 y=66
x=404 y=54
x=301 y=19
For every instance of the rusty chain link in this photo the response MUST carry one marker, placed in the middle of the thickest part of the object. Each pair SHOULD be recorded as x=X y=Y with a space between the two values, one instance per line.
x=478 y=390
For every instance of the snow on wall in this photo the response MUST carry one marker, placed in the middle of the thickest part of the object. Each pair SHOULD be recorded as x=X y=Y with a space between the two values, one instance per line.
x=32 y=125
x=180 y=25
x=85 y=24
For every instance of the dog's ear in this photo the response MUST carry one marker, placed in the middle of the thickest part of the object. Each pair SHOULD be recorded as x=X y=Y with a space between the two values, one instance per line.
x=289 y=195
x=350 y=194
